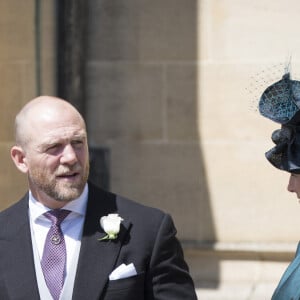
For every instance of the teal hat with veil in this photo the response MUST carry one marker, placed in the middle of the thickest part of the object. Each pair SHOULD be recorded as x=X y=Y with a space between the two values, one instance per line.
x=280 y=102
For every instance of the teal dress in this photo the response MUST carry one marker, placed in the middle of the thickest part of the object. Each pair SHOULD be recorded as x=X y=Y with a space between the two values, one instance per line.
x=289 y=285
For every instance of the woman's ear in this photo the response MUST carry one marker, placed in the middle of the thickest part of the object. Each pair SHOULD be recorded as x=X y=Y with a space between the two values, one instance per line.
x=18 y=156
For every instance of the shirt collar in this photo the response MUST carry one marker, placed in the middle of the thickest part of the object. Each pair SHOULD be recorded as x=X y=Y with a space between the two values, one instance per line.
x=77 y=206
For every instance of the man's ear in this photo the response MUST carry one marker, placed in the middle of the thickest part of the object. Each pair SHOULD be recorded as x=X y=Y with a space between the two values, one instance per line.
x=18 y=156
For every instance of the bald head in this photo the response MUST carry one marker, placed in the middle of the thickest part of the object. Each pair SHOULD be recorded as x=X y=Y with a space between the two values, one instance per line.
x=42 y=109
x=52 y=150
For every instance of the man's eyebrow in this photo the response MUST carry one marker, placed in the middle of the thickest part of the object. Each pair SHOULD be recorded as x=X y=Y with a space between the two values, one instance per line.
x=46 y=144
x=59 y=140
x=79 y=135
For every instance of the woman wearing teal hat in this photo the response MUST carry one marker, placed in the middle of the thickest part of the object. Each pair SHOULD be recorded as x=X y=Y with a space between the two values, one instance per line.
x=280 y=102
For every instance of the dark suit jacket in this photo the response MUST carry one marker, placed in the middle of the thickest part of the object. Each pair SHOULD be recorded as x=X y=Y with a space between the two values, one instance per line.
x=146 y=238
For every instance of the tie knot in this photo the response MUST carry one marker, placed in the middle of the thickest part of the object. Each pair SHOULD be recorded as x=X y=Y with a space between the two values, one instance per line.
x=57 y=215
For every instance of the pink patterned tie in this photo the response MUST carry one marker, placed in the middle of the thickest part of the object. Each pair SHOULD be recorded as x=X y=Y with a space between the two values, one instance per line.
x=54 y=255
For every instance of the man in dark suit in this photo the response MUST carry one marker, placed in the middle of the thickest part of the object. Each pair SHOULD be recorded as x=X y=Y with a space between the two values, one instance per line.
x=131 y=254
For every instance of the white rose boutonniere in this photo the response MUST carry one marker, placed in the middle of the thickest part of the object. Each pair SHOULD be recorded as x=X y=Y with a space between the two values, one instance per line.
x=111 y=226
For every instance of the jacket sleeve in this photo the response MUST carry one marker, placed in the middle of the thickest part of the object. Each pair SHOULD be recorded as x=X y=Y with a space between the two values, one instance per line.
x=168 y=275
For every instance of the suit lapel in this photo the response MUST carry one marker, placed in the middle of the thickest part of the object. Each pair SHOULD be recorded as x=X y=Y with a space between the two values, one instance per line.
x=19 y=255
x=97 y=258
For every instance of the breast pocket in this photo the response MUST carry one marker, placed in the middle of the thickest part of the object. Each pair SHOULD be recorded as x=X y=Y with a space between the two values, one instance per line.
x=128 y=288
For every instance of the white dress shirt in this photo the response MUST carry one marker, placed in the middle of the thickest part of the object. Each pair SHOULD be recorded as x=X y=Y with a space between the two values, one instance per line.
x=71 y=227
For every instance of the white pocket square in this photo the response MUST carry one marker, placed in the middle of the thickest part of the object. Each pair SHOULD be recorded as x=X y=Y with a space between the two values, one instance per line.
x=123 y=271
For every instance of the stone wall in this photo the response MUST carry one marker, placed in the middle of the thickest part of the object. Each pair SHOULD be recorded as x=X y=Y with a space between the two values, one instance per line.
x=167 y=94
x=243 y=47
x=17 y=77
x=142 y=83
x=172 y=89
x=27 y=69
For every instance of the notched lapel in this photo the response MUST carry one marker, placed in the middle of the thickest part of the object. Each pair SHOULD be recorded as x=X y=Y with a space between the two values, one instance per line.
x=97 y=259
x=18 y=255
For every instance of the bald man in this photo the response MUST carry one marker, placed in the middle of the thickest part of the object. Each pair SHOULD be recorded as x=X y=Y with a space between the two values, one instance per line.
x=52 y=242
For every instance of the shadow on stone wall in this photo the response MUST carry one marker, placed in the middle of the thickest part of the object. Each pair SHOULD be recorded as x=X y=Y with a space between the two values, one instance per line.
x=142 y=105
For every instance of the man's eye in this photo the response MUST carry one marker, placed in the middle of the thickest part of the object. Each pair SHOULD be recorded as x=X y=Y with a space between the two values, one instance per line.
x=77 y=143
x=52 y=148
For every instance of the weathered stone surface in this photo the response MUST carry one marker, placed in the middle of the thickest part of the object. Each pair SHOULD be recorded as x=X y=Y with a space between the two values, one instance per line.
x=12 y=183
x=124 y=102
x=168 y=176
x=17 y=30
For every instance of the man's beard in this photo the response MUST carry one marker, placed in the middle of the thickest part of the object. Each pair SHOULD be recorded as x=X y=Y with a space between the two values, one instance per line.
x=60 y=190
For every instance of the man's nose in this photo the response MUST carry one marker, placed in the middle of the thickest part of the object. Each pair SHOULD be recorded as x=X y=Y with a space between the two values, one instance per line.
x=68 y=155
